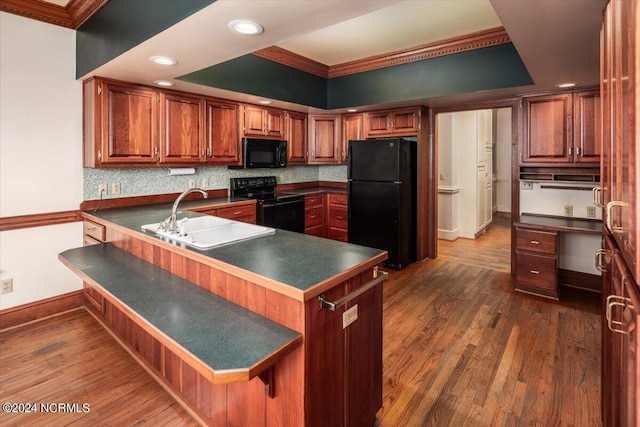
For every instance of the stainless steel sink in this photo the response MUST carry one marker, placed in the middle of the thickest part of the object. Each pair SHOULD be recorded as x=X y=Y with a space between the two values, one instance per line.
x=207 y=232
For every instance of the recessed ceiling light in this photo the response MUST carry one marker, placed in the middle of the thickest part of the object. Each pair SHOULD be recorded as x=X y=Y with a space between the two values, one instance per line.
x=566 y=85
x=352 y=110
x=165 y=83
x=244 y=26
x=264 y=102
x=163 y=60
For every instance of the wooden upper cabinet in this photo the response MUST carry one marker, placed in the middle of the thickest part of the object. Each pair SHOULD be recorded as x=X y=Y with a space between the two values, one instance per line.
x=352 y=129
x=324 y=139
x=120 y=124
x=222 y=141
x=181 y=130
x=392 y=122
x=562 y=129
x=259 y=121
x=587 y=119
x=296 y=137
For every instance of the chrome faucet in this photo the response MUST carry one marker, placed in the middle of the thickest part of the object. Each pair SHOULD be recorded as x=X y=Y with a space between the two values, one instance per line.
x=171 y=222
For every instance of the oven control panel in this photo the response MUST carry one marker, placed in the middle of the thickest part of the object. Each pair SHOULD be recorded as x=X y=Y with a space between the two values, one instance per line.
x=252 y=183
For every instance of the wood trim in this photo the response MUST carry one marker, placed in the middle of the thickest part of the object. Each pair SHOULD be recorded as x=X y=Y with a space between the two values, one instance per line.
x=38 y=310
x=579 y=280
x=291 y=59
x=38 y=220
x=152 y=199
x=71 y=16
x=480 y=39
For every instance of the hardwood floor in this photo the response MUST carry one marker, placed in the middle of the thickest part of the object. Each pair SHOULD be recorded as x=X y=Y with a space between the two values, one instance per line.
x=461 y=348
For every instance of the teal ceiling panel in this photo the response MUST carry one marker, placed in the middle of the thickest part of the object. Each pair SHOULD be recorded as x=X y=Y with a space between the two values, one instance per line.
x=253 y=75
x=122 y=24
x=489 y=68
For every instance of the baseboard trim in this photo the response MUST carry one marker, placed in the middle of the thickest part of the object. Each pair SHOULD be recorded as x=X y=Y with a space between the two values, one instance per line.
x=38 y=310
x=579 y=280
x=450 y=235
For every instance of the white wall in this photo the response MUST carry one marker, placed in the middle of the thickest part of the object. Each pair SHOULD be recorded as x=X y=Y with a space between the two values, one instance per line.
x=448 y=188
x=503 y=137
x=40 y=154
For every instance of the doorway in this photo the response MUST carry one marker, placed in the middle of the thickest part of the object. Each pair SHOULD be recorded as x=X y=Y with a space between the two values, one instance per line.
x=474 y=186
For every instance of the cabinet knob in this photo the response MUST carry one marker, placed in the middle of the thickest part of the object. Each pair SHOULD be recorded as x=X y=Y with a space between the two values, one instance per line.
x=535 y=242
x=534 y=271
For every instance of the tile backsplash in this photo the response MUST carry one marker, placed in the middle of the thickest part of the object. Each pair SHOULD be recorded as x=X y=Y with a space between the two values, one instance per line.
x=149 y=181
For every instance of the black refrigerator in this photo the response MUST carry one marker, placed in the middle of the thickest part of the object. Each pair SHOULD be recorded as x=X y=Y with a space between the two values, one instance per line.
x=381 y=175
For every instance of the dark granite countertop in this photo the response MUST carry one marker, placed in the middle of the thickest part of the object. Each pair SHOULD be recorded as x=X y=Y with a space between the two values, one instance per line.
x=223 y=335
x=564 y=224
x=296 y=260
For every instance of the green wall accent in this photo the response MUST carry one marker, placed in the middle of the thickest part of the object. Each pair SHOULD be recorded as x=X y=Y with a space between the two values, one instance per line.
x=122 y=24
x=489 y=68
x=261 y=77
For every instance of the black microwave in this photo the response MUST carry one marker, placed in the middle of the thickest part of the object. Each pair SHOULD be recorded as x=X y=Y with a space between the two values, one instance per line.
x=263 y=153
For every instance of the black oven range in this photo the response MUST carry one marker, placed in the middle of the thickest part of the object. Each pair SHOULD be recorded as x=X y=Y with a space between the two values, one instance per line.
x=274 y=208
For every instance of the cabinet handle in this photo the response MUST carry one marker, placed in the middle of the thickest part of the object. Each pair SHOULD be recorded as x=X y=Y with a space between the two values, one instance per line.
x=578 y=151
x=378 y=276
x=313 y=216
x=237 y=213
x=599 y=264
x=610 y=207
x=614 y=325
x=596 y=196
x=535 y=242
x=534 y=271
x=340 y=217
x=570 y=151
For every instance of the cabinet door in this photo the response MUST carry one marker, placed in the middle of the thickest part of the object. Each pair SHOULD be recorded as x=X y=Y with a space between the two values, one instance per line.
x=351 y=130
x=630 y=354
x=377 y=123
x=181 y=132
x=129 y=124
x=296 y=138
x=274 y=120
x=324 y=139
x=405 y=122
x=547 y=134
x=586 y=127
x=481 y=200
x=254 y=123
x=610 y=371
x=222 y=139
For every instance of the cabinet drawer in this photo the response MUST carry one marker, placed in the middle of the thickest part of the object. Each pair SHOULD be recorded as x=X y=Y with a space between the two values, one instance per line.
x=315 y=231
x=237 y=212
x=536 y=270
x=337 y=234
x=314 y=216
x=94 y=230
x=338 y=199
x=338 y=217
x=314 y=200
x=536 y=241
x=88 y=241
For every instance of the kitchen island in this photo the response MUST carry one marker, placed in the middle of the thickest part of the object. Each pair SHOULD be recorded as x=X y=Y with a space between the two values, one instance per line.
x=334 y=377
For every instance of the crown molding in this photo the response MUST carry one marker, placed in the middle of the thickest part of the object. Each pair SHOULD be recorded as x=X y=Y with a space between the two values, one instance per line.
x=467 y=42
x=71 y=16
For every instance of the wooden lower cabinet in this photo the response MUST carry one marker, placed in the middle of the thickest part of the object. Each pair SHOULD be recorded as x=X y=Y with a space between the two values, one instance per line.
x=537 y=262
x=236 y=211
x=338 y=216
x=314 y=206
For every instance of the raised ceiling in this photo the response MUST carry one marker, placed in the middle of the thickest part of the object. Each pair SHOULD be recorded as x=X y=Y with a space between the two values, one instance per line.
x=557 y=40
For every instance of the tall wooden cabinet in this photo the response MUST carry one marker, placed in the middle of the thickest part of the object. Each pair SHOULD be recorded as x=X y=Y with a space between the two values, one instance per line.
x=222 y=139
x=181 y=130
x=324 y=139
x=619 y=197
x=296 y=124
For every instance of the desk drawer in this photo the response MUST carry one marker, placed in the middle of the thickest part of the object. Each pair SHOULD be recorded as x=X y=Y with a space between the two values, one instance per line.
x=536 y=241
x=536 y=270
x=94 y=230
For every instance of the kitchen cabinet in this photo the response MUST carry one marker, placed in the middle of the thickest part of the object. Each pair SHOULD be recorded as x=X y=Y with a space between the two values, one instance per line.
x=120 y=124
x=537 y=262
x=337 y=216
x=93 y=234
x=618 y=197
x=352 y=129
x=261 y=122
x=222 y=140
x=324 y=139
x=398 y=122
x=561 y=129
x=297 y=132
x=314 y=223
x=244 y=212
x=181 y=129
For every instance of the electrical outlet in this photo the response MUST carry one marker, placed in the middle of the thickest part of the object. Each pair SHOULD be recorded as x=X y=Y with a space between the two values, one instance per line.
x=443 y=177
x=526 y=185
x=568 y=210
x=205 y=182
x=115 y=188
x=102 y=190
x=591 y=211
x=192 y=183
x=7 y=286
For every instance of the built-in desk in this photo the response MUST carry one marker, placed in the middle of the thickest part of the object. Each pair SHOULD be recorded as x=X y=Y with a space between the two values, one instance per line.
x=537 y=255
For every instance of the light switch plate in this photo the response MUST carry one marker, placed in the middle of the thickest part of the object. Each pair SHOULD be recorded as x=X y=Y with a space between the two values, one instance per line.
x=349 y=316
